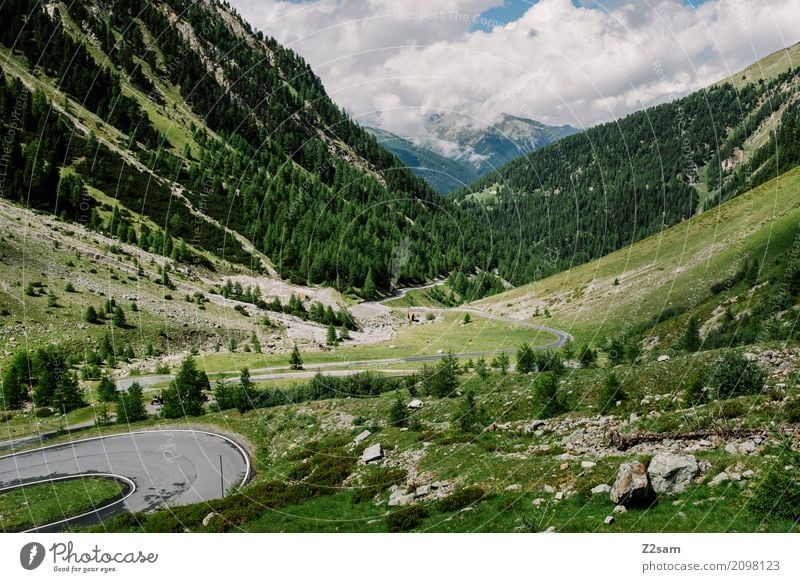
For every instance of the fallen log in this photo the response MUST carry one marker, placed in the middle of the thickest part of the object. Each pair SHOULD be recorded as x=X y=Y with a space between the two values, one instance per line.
x=624 y=442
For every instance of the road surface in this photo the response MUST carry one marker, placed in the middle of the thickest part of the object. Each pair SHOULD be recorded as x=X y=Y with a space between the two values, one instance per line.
x=158 y=468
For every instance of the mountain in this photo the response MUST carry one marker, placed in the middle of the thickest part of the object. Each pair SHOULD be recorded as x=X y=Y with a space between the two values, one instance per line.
x=443 y=174
x=592 y=193
x=179 y=114
x=459 y=152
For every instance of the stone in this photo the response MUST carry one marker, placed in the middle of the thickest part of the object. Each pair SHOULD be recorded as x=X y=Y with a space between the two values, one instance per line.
x=438 y=484
x=372 y=453
x=620 y=509
x=415 y=404
x=671 y=473
x=549 y=489
x=609 y=520
x=602 y=488
x=514 y=487
x=361 y=436
x=732 y=449
x=550 y=529
x=207 y=519
x=750 y=356
x=663 y=358
x=422 y=491
x=588 y=464
x=400 y=498
x=564 y=466
x=719 y=479
x=538 y=501
x=632 y=486
x=749 y=474
x=560 y=495
x=747 y=447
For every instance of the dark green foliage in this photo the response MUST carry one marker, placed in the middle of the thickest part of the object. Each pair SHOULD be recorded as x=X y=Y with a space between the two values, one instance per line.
x=296 y=360
x=777 y=494
x=501 y=362
x=610 y=393
x=398 y=413
x=16 y=381
x=482 y=369
x=185 y=396
x=90 y=315
x=131 y=405
x=546 y=395
x=469 y=415
x=791 y=410
x=56 y=384
x=245 y=392
x=734 y=375
x=362 y=385
x=443 y=380
x=461 y=498
x=588 y=357
x=331 y=338
x=696 y=387
x=526 y=360
x=548 y=361
x=691 y=340
x=106 y=389
x=118 y=319
x=407 y=518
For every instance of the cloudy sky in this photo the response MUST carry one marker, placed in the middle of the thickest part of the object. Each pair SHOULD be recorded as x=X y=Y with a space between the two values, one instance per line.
x=576 y=62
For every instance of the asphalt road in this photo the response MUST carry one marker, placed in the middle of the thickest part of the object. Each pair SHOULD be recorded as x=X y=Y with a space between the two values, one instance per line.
x=160 y=468
x=266 y=374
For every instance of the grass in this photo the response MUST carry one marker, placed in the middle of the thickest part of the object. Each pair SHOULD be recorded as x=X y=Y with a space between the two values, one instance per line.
x=767 y=68
x=446 y=333
x=45 y=503
x=668 y=270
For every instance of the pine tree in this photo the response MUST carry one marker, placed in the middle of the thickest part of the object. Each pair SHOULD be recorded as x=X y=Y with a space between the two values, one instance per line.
x=131 y=406
x=482 y=369
x=295 y=360
x=469 y=416
x=526 y=360
x=398 y=413
x=691 y=340
x=68 y=395
x=14 y=390
x=331 y=336
x=246 y=392
x=568 y=350
x=106 y=389
x=255 y=343
x=501 y=362
x=467 y=318
x=610 y=393
x=119 y=317
x=185 y=396
x=546 y=395
x=368 y=291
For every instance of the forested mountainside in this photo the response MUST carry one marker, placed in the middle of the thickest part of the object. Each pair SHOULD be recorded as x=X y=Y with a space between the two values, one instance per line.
x=179 y=112
x=592 y=193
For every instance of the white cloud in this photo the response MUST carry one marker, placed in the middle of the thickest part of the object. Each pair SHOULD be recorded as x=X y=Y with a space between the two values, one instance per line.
x=558 y=63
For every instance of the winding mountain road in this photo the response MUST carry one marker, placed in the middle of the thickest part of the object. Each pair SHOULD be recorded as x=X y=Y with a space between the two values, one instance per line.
x=158 y=468
x=274 y=373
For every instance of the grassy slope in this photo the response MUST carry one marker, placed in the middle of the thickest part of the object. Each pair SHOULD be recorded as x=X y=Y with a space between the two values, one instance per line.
x=767 y=68
x=672 y=268
x=41 y=504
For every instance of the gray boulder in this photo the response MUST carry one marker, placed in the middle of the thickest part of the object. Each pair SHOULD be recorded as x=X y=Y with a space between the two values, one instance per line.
x=632 y=486
x=670 y=473
x=372 y=454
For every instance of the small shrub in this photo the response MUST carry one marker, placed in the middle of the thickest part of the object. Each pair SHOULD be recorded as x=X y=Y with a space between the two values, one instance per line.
x=791 y=410
x=407 y=518
x=461 y=499
x=734 y=375
x=777 y=494
x=44 y=412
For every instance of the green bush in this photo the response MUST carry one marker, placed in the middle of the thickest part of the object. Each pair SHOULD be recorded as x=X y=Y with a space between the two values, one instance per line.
x=777 y=494
x=378 y=481
x=610 y=393
x=734 y=375
x=44 y=412
x=791 y=410
x=461 y=499
x=406 y=519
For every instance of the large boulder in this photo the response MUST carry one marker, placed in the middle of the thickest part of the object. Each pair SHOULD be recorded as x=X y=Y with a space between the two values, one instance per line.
x=632 y=486
x=671 y=473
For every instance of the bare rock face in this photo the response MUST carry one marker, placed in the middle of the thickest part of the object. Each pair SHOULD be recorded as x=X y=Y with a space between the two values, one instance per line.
x=632 y=486
x=672 y=473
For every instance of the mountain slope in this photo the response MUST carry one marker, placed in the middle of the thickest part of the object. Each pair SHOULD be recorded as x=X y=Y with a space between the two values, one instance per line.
x=592 y=193
x=737 y=256
x=178 y=112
